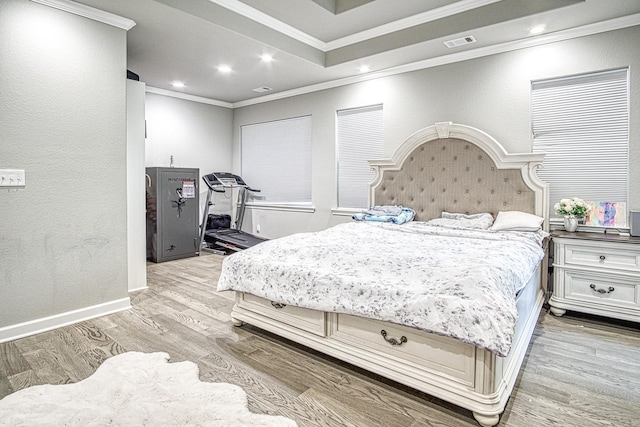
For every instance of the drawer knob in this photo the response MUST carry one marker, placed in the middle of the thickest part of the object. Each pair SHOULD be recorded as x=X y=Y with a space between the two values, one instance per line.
x=393 y=341
x=602 y=291
x=602 y=257
x=278 y=305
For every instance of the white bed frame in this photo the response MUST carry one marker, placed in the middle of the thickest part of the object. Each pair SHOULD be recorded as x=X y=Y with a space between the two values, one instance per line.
x=444 y=367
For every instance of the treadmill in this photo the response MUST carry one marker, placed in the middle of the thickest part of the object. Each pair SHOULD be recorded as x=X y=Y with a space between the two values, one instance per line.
x=227 y=239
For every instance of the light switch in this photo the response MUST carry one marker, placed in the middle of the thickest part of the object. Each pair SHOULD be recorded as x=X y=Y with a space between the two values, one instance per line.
x=12 y=178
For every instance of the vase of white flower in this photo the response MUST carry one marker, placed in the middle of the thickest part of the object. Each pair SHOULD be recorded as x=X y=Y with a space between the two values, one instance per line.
x=572 y=209
x=570 y=223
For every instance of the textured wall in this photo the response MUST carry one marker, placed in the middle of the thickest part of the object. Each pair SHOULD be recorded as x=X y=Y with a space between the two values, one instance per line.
x=197 y=135
x=62 y=108
x=490 y=93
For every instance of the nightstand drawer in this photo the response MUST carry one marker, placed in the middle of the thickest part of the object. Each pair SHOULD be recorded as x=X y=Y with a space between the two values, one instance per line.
x=601 y=257
x=603 y=289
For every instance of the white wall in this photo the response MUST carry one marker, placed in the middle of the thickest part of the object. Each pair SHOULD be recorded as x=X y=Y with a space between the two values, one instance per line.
x=136 y=185
x=490 y=93
x=62 y=106
x=197 y=135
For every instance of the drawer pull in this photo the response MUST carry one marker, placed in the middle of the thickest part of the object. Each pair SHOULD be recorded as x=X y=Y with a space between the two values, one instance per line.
x=602 y=257
x=278 y=305
x=602 y=291
x=393 y=341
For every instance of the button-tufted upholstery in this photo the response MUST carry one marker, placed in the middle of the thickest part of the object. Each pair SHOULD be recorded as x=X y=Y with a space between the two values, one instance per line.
x=453 y=175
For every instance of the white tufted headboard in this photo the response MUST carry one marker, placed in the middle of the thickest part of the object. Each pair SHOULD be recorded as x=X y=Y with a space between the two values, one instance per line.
x=457 y=168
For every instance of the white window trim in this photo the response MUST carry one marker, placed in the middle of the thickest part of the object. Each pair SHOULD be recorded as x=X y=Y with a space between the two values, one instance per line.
x=284 y=207
x=345 y=211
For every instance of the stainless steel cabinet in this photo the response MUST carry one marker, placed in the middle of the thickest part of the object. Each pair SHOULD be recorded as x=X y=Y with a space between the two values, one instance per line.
x=172 y=213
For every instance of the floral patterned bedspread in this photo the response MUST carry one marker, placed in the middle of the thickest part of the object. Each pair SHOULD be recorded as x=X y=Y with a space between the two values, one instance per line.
x=453 y=282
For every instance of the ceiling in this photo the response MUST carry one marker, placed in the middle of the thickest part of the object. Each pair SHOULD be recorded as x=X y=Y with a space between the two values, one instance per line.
x=315 y=43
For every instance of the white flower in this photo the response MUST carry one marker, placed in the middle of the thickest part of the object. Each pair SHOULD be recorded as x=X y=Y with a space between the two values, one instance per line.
x=572 y=207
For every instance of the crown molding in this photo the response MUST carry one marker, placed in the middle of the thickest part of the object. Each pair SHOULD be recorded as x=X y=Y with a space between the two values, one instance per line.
x=243 y=9
x=586 y=30
x=411 y=21
x=187 y=97
x=89 y=12
x=271 y=22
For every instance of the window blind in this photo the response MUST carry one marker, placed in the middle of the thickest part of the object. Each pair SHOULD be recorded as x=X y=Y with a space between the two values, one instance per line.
x=276 y=159
x=582 y=124
x=360 y=138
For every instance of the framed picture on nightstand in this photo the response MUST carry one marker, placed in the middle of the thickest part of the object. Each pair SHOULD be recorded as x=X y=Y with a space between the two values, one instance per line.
x=607 y=214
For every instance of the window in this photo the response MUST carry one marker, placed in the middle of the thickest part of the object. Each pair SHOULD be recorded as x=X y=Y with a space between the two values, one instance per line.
x=360 y=138
x=582 y=124
x=276 y=159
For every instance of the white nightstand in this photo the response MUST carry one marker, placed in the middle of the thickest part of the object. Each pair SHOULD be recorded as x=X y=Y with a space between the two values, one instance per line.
x=596 y=273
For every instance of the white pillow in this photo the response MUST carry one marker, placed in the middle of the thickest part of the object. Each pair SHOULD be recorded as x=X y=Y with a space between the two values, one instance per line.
x=480 y=221
x=516 y=221
x=466 y=216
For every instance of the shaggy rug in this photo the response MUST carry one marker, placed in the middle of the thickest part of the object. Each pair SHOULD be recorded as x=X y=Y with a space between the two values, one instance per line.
x=136 y=389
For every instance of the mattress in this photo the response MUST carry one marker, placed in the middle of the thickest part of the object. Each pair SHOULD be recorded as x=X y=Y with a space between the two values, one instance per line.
x=454 y=282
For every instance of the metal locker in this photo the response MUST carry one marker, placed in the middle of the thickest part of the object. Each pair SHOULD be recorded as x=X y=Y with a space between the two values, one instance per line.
x=172 y=213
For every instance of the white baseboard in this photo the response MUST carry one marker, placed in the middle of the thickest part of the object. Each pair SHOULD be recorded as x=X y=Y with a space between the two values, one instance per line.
x=141 y=288
x=32 y=327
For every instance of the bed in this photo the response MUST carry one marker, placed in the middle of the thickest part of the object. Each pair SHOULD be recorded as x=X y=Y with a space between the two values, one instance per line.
x=459 y=334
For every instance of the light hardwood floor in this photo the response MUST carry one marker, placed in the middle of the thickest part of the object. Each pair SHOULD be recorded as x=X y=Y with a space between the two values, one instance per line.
x=580 y=370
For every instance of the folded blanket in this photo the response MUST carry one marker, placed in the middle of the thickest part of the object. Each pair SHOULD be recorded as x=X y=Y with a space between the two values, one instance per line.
x=384 y=211
x=405 y=215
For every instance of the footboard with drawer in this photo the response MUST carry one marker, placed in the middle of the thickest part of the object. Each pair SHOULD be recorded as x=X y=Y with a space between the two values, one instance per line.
x=444 y=367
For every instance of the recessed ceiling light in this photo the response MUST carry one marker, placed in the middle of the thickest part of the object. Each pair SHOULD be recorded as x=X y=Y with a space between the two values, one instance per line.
x=365 y=68
x=266 y=57
x=224 y=69
x=177 y=84
x=537 y=29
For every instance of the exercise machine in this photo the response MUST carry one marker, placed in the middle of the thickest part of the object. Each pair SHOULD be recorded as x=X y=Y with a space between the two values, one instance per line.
x=232 y=238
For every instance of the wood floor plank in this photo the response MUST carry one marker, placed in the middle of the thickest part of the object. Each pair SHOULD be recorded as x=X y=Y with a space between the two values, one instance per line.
x=218 y=367
x=196 y=304
x=592 y=377
x=198 y=322
x=5 y=387
x=12 y=360
x=536 y=411
x=25 y=379
x=578 y=400
x=264 y=395
x=322 y=410
x=132 y=337
x=189 y=341
x=46 y=366
x=265 y=357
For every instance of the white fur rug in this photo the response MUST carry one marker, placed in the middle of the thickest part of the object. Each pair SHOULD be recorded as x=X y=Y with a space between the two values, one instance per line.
x=136 y=389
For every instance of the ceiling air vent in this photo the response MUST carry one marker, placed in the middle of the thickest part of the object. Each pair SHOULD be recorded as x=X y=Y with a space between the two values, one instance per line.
x=459 y=42
x=263 y=89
